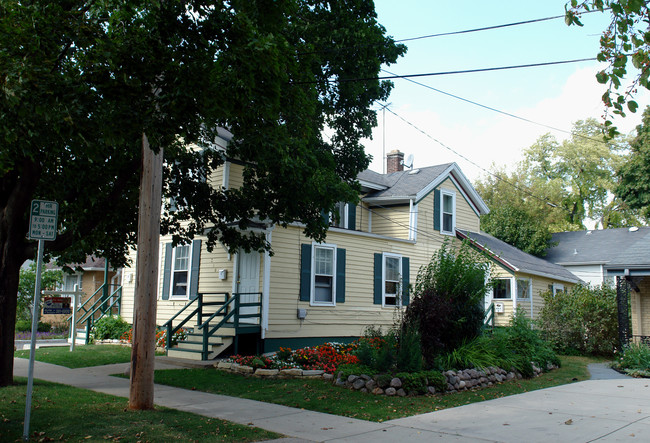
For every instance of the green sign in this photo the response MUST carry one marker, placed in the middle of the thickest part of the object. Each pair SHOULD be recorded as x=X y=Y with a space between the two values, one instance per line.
x=43 y=220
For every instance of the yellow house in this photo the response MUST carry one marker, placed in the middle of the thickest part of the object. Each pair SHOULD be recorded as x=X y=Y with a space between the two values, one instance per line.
x=307 y=293
x=520 y=278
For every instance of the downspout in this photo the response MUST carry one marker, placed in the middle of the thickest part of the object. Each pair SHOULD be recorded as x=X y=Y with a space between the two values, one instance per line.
x=266 y=286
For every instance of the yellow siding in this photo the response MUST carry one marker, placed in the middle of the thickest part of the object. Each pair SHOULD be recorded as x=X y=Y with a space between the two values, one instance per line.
x=391 y=221
x=640 y=311
x=216 y=178
x=466 y=218
x=236 y=176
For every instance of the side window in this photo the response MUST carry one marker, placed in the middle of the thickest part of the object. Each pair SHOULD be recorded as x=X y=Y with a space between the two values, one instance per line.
x=502 y=288
x=524 y=288
x=323 y=275
x=338 y=218
x=448 y=212
x=392 y=279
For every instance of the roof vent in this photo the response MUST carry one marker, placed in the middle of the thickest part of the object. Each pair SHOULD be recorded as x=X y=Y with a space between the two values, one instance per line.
x=633 y=229
x=575 y=252
x=414 y=171
x=588 y=233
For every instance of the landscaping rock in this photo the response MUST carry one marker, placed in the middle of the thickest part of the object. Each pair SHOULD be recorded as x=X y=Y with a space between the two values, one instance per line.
x=431 y=389
x=291 y=372
x=378 y=391
x=328 y=377
x=364 y=390
x=266 y=372
x=401 y=392
x=359 y=383
x=390 y=392
x=462 y=384
x=371 y=384
x=396 y=383
x=312 y=372
x=340 y=383
x=365 y=377
x=224 y=365
x=245 y=369
x=352 y=378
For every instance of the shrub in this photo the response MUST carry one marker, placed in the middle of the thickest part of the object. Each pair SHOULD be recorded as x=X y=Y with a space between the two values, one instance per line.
x=409 y=352
x=44 y=327
x=447 y=307
x=344 y=371
x=583 y=320
x=110 y=327
x=23 y=326
x=635 y=360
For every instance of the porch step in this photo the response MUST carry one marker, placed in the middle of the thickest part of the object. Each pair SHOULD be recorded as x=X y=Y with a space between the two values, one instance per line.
x=191 y=349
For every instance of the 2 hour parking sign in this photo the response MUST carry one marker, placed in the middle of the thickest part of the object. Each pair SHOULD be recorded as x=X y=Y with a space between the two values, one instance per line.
x=43 y=220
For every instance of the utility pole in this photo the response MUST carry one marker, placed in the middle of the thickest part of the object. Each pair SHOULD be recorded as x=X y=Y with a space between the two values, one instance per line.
x=146 y=283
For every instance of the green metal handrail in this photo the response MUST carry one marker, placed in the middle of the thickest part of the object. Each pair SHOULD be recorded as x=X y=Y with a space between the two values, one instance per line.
x=488 y=319
x=102 y=306
x=198 y=312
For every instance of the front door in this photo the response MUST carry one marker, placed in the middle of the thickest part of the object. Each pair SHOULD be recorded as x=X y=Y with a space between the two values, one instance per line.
x=248 y=283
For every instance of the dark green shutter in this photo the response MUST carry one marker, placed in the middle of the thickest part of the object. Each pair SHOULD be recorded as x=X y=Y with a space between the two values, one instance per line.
x=436 y=209
x=405 y=280
x=378 y=280
x=340 y=275
x=305 y=271
x=167 y=270
x=194 y=271
x=352 y=216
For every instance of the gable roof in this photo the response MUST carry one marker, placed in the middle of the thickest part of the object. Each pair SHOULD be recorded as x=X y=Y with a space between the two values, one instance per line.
x=92 y=263
x=621 y=246
x=399 y=187
x=516 y=260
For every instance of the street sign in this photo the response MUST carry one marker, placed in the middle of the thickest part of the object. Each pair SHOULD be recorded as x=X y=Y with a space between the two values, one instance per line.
x=43 y=220
x=57 y=305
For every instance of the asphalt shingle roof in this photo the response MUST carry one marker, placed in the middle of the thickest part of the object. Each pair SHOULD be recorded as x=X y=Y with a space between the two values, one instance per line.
x=404 y=183
x=607 y=246
x=522 y=261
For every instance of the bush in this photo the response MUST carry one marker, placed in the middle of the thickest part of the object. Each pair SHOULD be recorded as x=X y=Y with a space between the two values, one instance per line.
x=409 y=352
x=447 y=307
x=581 y=321
x=635 y=360
x=110 y=327
x=43 y=327
x=23 y=326
x=514 y=347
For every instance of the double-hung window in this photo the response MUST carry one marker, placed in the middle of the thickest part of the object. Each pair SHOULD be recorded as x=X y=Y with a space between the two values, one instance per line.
x=324 y=274
x=392 y=279
x=448 y=212
x=180 y=272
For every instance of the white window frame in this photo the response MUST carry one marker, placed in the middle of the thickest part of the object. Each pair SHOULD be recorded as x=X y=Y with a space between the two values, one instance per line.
x=558 y=287
x=173 y=296
x=343 y=217
x=512 y=288
x=398 y=296
x=530 y=288
x=312 y=296
x=79 y=276
x=452 y=194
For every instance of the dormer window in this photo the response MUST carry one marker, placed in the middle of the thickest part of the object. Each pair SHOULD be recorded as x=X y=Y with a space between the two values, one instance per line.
x=344 y=216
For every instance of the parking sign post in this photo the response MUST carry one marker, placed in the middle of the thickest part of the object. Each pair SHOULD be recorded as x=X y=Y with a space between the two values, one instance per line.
x=42 y=226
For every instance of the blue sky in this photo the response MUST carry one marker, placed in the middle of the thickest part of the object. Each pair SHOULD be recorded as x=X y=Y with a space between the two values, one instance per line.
x=554 y=95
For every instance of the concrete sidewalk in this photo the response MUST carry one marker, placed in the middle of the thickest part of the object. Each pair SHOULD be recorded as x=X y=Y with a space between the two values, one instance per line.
x=607 y=409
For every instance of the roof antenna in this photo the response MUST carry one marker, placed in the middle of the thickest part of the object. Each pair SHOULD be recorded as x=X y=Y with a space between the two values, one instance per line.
x=409 y=161
x=383 y=144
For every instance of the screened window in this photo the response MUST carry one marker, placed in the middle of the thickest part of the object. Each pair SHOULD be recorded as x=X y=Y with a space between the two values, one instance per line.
x=324 y=267
x=447 y=212
x=180 y=271
x=392 y=274
x=338 y=218
x=70 y=280
x=501 y=288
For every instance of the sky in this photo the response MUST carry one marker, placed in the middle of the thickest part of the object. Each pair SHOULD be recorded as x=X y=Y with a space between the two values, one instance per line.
x=554 y=96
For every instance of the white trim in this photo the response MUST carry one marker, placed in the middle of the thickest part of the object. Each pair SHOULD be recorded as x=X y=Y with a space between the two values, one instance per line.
x=369 y=221
x=530 y=291
x=266 y=286
x=398 y=298
x=513 y=291
x=413 y=220
x=226 y=174
x=371 y=185
x=448 y=193
x=312 y=291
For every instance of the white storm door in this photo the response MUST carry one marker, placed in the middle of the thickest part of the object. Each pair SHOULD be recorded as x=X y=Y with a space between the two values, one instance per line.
x=248 y=282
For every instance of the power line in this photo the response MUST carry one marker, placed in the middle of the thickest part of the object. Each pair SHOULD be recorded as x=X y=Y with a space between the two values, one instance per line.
x=498 y=177
x=496 y=110
x=432 y=74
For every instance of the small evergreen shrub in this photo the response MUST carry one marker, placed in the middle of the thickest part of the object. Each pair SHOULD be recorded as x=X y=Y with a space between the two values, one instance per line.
x=110 y=327
x=409 y=353
x=44 y=327
x=23 y=326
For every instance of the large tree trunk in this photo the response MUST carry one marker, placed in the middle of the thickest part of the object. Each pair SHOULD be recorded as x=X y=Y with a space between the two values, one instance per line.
x=17 y=188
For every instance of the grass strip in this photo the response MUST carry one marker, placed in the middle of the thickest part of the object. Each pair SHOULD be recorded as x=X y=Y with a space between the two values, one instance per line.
x=321 y=396
x=82 y=356
x=65 y=413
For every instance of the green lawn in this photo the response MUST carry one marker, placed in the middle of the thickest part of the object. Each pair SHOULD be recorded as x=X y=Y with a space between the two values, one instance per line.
x=64 y=413
x=82 y=357
x=321 y=396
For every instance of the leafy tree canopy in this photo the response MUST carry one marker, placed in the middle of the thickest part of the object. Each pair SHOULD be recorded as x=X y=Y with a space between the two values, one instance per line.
x=634 y=174
x=82 y=81
x=626 y=40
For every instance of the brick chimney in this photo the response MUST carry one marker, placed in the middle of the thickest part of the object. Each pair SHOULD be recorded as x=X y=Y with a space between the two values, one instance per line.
x=394 y=161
